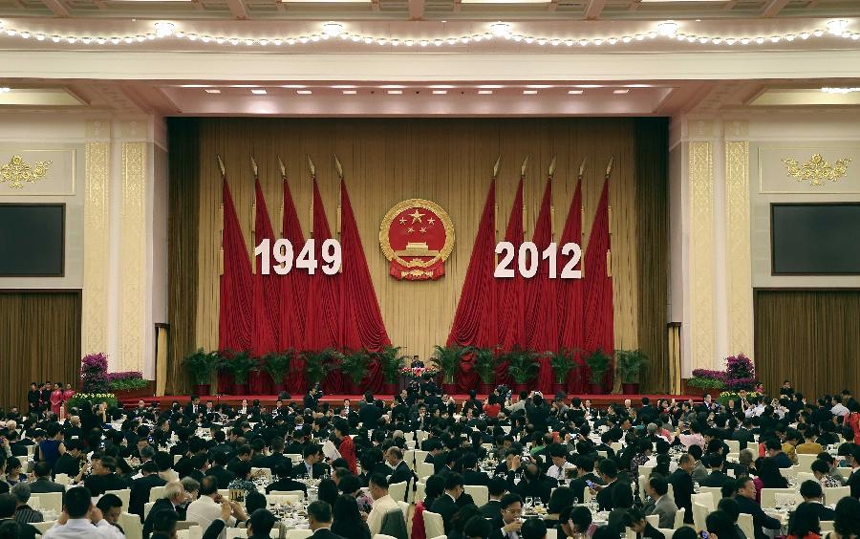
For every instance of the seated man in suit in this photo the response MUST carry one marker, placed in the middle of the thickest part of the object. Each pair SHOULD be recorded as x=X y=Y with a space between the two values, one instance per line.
x=471 y=475
x=717 y=477
x=104 y=477
x=608 y=474
x=284 y=483
x=813 y=495
x=140 y=488
x=532 y=485
x=508 y=523
x=496 y=489
x=311 y=465
x=224 y=476
x=43 y=483
x=174 y=497
x=446 y=505
x=745 y=496
x=320 y=519
x=660 y=504
x=400 y=470
x=584 y=474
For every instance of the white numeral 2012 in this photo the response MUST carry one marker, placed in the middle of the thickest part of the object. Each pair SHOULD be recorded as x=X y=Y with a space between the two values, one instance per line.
x=283 y=253
x=528 y=260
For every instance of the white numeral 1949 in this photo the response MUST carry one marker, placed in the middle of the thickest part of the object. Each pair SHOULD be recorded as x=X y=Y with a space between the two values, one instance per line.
x=283 y=253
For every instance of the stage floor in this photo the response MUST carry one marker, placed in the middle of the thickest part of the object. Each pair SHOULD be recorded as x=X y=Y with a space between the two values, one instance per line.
x=600 y=401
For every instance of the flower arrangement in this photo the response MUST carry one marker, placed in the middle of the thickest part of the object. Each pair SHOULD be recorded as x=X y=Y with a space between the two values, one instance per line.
x=126 y=381
x=740 y=373
x=80 y=399
x=418 y=372
x=706 y=379
x=94 y=373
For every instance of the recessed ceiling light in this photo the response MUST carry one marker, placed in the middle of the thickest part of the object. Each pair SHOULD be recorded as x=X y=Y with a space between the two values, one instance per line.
x=825 y=90
x=442 y=86
x=837 y=26
x=392 y=86
x=530 y=92
x=195 y=85
x=243 y=86
x=293 y=86
x=259 y=91
x=485 y=92
x=639 y=86
x=343 y=86
x=5 y=89
x=332 y=29
x=304 y=92
x=440 y=92
x=575 y=92
x=621 y=91
x=539 y=86
x=212 y=91
x=163 y=29
x=395 y=92
x=500 y=29
x=490 y=86
x=349 y=92
x=587 y=86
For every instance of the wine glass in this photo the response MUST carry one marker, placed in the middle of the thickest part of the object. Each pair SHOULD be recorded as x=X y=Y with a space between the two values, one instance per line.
x=529 y=501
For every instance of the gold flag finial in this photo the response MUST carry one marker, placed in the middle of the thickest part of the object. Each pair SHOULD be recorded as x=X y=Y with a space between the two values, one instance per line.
x=311 y=166
x=338 y=167
x=254 y=168
x=496 y=166
x=221 y=166
x=609 y=166
x=582 y=167
x=282 y=167
x=551 y=170
x=525 y=164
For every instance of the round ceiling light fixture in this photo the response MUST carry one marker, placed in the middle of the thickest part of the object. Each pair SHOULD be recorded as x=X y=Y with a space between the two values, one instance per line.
x=500 y=29
x=332 y=29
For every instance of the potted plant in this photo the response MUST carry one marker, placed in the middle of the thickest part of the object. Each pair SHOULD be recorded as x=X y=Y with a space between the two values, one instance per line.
x=562 y=363
x=390 y=362
x=200 y=365
x=707 y=382
x=94 y=378
x=319 y=364
x=239 y=365
x=277 y=366
x=522 y=366
x=448 y=358
x=354 y=365
x=629 y=364
x=598 y=364
x=485 y=365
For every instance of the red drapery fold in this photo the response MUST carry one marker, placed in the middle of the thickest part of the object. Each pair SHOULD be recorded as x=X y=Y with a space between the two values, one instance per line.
x=235 y=318
x=510 y=298
x=266 y=297
x=322 y=321
x=475 y=320
x=541 y=331
x=294 y=294
x=599 y=331
x=361 y=324
x=569 y=294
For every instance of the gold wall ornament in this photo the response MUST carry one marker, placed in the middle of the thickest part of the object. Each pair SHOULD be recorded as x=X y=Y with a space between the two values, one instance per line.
x=817 y=171
x=17 y=172
x=416 y=234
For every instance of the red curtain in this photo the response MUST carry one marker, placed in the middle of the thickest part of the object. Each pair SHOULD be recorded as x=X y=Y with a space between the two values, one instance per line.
x=541 y=331
x=294 y=295
x=235 y=317
x=510 y=292
x=569 y=294
x=361 y=323
x=475 y=319
x=599 y=332
x=322 y=329
x=266 y=297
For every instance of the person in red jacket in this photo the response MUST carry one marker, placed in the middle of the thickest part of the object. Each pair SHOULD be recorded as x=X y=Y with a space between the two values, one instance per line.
x=346 y=447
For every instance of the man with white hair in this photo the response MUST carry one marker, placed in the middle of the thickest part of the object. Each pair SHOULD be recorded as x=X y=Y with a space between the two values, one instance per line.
x=174 y=498
x=207 y=508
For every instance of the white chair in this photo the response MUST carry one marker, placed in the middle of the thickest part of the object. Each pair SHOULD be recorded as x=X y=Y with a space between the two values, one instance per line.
x=734 y=446
x=434 y=526
x=182 y=534
x=43 y=526
x=745 y=522
x=177 y=458
x=156 y=493
x=679 y=517
x=409 y=436
x=274 y=533
x=64 y=479
x=551 y=533
x=846 y=472
x=653 y=520
x=419 y=491
x=131 y=525
x=479 y=493
x=768 y=495
x=420 y=455
x=409 y=458
x=789 y=473
x=805 y=476
x=826 y=526
x=629 y=533
x=700 y=513
x=424 y=469
x=706 y=499
x=646 y=470
x=50 y=500
x=298 y=534
x=147 y=507
x=440 y=537
x=275 y=499
x=266 y=472
x=124 y=495
x=295 y=457
x=805 y=461
x=666 y=532
x=234 y=533
x=421 y=435
x=783 y=499
x=715 y=493
x=383 y=536
x=834 y=494
x=299 y=493
x=397 y=491
x=587 y=496
x=404 y=507
x=34 y=503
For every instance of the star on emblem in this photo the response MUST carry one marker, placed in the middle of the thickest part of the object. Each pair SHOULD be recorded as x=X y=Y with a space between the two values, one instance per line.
x=423 y=229
x=416 y=216
x=410 y=230
x=431 y=221
x=403 y=220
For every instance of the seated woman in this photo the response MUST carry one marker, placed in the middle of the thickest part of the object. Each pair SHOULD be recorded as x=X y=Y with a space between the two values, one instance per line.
x=804 y=523
x=347 y=521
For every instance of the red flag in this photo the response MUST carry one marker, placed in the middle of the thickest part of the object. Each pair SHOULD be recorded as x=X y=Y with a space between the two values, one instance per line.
x=541 y=333
x=267 y=298
x=599 y=332
x=235 y=317
x=510 y=299
x=361 y=325
x=569 y=292
x=294 y=294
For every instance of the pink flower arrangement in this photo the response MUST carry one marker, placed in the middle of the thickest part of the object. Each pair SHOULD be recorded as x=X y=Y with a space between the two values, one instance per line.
x=125 y=375
x=94 y=373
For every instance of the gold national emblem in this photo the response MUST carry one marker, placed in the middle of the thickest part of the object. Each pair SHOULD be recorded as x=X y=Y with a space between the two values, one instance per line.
x=416 y=236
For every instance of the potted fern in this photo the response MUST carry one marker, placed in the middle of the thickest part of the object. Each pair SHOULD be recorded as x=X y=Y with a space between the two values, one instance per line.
x=522 y=366
x=598 y=365
x=390 y=362
x=562 y=363
x=200 y=365
x=277 y=365
x=318 y=364
x=448 y=359
x=629 y=364
x=485 y=365
x=240 y=365
x=354 y=365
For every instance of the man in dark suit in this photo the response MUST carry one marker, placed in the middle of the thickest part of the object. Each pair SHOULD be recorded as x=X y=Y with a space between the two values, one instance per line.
x=682 y=484
x=140 y=488
x=319 y=520
x=221 y=474
x=174 y=496
x=69 y=462
x=745 y=489
x=608 y=474
x=717 y=478
x=284 y=483
x=311 y=465
x=584 y=474
x=743 y=434
x=854 y=479
x=104 y=477
x=43 y=483
x=531 y=485
x=814 y=496
x=471 y=475
x=369 y=413
x=193 y=408
x=446 y=504
x=400 y=470
x=496 y=488
x=7 y=514
x=507 y=524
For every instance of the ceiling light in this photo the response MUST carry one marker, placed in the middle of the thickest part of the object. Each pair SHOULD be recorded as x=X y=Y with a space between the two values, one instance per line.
x=832 y=90
x=304 y=92
x=164 y=29
x=259 y=91
x=530 y=92
x=440 y=92
x=587 y=86
x=243 y=86
x=490 y=86
x=500 y=29
x=621 y=91
x=350 y=92
x=343 y=86
x=837 y=26
x=638 y=85
x=195 y=85
x=392 y=86
x=332 y=29
x=395 y=92
x=485 y=92
x=212 y=91
x=293 y=86
x=5 y=89
x=442 y=86
x=575 y=92
x=539 y=86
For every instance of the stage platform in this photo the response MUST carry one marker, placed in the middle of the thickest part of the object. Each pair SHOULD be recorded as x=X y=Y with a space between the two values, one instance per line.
x=600 y=401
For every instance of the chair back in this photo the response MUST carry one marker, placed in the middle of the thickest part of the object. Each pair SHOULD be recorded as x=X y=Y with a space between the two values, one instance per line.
x=397 y=491
x=805 y=476
x=805 y=461
x=131 y=525
x=295 y=457
x=51 y=501
x=790 y=472
x=434 y=526
x=745 y=522
x=147 y=507
x=64 y=479
x=409 y=458
x=845 y=471
x=734 y=446
x=479 y=493
x=653 y=520
x=404 y=508
x=276 y=499
x=298 y=534
x=424 y=469
x=551 y=533
x=826 y=526
x=679 y=517
x=715 y=492
x=704 y=498
x=156 y=493
x=768 y=495
x=834 y=494
x=419 y=491
x=122 y=494
x=383 y=536
x=700 y=513
x=299 y=493
x=43 y=526
x=233 y=533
